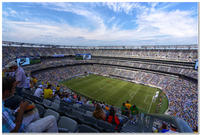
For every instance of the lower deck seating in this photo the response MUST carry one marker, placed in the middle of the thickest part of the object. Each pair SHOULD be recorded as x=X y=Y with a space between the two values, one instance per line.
x=70 y=118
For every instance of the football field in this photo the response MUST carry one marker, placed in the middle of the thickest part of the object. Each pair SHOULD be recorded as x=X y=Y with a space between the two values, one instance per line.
x=116 y=91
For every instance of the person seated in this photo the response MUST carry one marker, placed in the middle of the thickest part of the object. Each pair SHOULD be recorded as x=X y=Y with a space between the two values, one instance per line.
x=57 y=88
x=34 y=81
x=195 y=129
x=164 y=128
x=39 y=91
x=48 y=92
x=99 y=113
x=79 y=100
x=107 y=108
x=24 y=118
x=67 y=99
x=57 y=95
x=113 y=118
x=27 y=85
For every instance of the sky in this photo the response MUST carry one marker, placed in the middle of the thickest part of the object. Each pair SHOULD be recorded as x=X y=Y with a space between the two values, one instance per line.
x=100 y=23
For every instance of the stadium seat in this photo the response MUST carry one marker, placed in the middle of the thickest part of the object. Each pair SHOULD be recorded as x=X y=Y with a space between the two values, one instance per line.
x=41 y=109
x=37 y=99
x=55 y=106
x=47 y=103
x=57 y=101
x=74 y=114
x=89 y=120
x=81 y=110
x=87 y=107
x=64 y=107
x=76 y=105
x=88 y=113
x=105 y=126
x=66 y=123
x=51 y=112
x=13 y=102
x=86 y=129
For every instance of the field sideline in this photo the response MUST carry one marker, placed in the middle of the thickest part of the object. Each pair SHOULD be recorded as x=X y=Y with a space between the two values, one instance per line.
x=115 y=92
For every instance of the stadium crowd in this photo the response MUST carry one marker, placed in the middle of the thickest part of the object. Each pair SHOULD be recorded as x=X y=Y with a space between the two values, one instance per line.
x=11 y=52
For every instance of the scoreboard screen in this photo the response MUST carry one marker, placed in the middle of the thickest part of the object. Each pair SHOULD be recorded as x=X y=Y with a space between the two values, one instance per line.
x=83 y=56
x=196 y=65
x=23 y=61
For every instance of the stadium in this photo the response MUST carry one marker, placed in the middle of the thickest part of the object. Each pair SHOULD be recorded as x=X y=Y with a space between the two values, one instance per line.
x=161 y=81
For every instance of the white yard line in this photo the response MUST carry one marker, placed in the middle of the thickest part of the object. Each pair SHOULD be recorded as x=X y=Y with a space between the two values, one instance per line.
x=145 y=98
x=132 y=97
x=151 y=104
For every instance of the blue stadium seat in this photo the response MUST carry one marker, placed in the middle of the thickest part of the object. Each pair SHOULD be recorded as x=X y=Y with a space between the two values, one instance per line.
x=105 y=126
x=51 y=112
x=86 y=129
x=89 y=120
x=13 y=102
x=57 y=101
x=55 y=106
x=47 y=103
x=41 y=109
x=68 y=124
x=74 y=114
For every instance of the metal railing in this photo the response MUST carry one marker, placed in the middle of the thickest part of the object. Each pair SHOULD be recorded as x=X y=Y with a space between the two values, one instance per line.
x=147 y=120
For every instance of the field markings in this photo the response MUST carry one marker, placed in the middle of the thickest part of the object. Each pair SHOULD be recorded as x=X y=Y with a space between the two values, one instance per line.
x=150 y=105
x=113 y=91
x=135 y=92
x=145 y=99
x=151 y=102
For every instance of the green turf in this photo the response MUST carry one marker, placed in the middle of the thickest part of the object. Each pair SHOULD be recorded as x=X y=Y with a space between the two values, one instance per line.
x=115 y=92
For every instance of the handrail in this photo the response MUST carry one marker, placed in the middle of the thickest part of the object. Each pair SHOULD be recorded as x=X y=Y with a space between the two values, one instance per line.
x=181 y=125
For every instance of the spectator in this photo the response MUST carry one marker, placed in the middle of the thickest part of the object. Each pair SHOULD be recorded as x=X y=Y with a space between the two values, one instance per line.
x=57 y=95
x=79 y=100
x=39 y=91
x=113 y=118
x=34 y=80
x=124 y=110
x=134 y=111
x=164 y=128
x=99 y=113
x=27 y=83
x=57 y=88
x=20 y=76
x=196 y=129
x=20 y=122
x=128 y=105
x=107 y=108
x=48 y=92
x=67 y=99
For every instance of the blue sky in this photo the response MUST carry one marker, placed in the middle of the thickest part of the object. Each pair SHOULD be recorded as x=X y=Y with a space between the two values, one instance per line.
x=100 y=23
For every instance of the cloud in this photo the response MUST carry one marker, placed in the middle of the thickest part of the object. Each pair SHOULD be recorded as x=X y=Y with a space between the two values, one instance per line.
x=79 y=10
x=10 y=12
x=125 y=7
x=154 y=26
x=174 y=23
